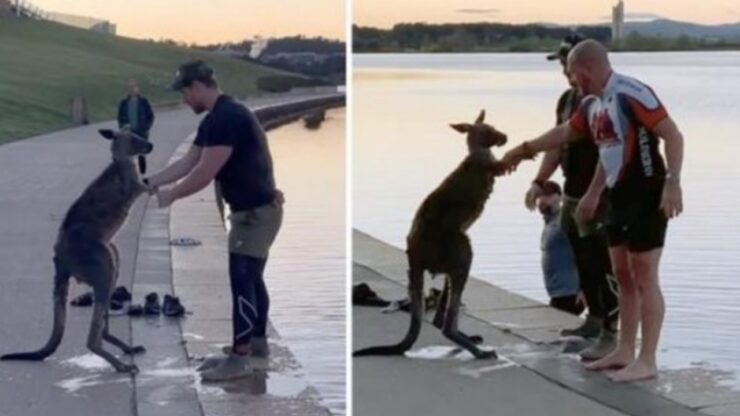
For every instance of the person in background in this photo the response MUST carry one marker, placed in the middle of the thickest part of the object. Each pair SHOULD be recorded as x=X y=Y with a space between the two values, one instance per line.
x=558 y=263
x=135 y=112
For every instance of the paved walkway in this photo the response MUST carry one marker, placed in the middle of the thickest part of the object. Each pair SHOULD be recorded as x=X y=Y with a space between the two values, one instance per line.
x=532 y=377
x=40 y=177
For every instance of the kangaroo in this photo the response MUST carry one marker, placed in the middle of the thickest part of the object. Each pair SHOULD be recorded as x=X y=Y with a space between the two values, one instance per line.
x=438 y=242
x=84 y=250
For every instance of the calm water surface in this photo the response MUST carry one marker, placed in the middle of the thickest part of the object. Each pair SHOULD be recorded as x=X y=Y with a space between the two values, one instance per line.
x=306 y=274
x=403 y=148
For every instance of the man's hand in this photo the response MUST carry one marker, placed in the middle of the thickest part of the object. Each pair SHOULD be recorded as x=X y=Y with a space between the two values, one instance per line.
x=279 y=198
x=672 y=201
x=513 y=157
x=587 y=207
x=165 y=198
x=530 y=198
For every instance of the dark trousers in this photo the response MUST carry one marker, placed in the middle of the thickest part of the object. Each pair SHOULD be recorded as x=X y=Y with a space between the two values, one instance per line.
x=251 y=302
x=142 y=164
x=567 y=304
x=597 y=280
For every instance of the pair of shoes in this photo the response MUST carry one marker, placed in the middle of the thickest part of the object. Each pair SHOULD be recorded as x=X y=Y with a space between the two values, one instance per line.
x=171 y=306
x=591 y=328
x=605 y=343
x=118 y=300
x=234 y=366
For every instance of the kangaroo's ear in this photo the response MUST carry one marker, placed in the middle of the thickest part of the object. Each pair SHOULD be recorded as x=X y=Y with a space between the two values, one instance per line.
x=107 y=133
x=481 y=116
x=461 y=127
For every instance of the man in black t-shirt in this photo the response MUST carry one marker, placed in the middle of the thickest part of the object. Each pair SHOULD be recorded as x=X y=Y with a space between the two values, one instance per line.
x=231 y=148
x=578 y=160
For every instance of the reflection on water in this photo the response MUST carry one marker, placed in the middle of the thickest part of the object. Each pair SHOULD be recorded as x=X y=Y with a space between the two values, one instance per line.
x=306 y=271
x=403 y=148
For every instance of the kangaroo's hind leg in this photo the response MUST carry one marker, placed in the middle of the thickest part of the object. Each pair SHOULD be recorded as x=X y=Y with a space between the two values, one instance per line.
x=107 y=336
x=96 y=268
x=439 y=315
x=457 y=279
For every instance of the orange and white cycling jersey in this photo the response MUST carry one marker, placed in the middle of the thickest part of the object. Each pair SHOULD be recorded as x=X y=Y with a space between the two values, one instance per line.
x=621 y=121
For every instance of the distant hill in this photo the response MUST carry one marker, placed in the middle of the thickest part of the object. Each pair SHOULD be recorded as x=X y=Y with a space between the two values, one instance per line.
x=45 y=64
x=673 y=29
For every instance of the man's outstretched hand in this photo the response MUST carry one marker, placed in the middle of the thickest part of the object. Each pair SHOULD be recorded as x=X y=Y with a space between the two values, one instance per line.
x=514 y=157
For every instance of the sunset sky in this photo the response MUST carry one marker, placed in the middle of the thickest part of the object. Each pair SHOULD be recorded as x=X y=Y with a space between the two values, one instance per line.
x=212 y=20
x=385 y=13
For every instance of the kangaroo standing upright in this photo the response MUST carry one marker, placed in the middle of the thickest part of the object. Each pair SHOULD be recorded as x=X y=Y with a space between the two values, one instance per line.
x=84 y=250
x=438 y=242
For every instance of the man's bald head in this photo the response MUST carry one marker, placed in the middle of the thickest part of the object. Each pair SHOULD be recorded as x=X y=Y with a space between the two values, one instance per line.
x=588 y=61
x=589 y=52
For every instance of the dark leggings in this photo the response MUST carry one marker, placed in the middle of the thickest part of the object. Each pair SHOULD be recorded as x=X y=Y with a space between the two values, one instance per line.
x=597 y=281
x=250 y=300
x=567 y=304
x=142 y=164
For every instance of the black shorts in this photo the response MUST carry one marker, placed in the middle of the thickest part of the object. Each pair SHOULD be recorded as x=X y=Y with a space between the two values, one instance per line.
x=636 y=221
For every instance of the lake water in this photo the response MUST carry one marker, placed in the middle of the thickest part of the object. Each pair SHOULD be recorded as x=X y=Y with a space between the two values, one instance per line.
x=403 y=148
x=307 y=284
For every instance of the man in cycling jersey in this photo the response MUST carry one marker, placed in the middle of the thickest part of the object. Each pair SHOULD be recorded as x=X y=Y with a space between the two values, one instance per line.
x=625 y=119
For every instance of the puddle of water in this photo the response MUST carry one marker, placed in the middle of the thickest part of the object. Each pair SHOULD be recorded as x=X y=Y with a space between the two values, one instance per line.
x=478 y=372
x=74 y=385
x=87 y=362
x=443 y=352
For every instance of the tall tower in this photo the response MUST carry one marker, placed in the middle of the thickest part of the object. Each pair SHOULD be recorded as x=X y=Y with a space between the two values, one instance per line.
x=618 y=21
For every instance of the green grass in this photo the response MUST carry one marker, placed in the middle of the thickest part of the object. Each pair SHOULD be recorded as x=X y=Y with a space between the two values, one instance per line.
x=45 y=64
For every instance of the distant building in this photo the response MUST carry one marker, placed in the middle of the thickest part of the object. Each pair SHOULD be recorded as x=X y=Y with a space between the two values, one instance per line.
x=618 y=21
x=84 y=22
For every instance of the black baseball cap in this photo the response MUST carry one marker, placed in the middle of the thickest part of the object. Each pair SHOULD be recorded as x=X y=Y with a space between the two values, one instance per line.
x=190 y=72
x=565 y=46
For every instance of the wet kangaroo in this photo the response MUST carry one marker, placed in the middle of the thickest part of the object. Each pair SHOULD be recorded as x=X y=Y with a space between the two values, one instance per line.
x=84 y=250
x=438 y=241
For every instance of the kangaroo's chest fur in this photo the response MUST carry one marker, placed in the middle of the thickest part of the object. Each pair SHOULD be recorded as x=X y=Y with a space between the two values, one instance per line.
x=456 y=203
x=103 y=207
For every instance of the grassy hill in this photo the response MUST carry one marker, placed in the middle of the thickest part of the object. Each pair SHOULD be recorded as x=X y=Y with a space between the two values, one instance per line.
x=45 y=64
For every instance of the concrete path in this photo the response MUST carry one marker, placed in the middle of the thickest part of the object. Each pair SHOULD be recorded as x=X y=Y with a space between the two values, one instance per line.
x=40 y=178
x=532 y=376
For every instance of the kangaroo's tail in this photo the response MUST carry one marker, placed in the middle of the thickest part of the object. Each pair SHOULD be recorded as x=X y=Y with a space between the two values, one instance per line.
x=61 y=289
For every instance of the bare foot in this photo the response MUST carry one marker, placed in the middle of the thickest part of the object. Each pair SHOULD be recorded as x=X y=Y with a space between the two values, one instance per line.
x=618 y=359
x=636 y=371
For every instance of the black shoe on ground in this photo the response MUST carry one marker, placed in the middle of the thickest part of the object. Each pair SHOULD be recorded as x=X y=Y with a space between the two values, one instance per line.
x=135 y=310
x=85 y=299
x=116 y=308
x=151 y=305
x=172 y=306
x=121 y=294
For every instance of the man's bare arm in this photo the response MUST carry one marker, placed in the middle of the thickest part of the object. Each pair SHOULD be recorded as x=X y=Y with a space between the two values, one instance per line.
x=177 y=170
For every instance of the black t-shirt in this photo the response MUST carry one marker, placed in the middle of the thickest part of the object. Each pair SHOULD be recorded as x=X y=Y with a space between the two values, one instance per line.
x=247 y=179
x=578 y=158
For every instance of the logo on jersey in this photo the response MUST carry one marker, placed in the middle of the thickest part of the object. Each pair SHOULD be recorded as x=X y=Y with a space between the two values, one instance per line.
x=645 y=157
x=604 y=132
